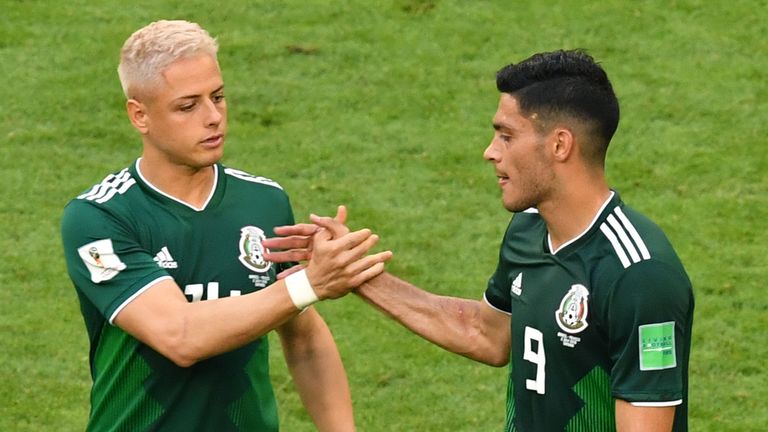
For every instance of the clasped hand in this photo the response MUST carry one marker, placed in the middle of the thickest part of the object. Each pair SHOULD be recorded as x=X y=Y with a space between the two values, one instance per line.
x=336 y=259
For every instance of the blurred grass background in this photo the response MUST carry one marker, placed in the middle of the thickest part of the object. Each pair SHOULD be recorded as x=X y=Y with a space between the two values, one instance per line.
x=386 y=107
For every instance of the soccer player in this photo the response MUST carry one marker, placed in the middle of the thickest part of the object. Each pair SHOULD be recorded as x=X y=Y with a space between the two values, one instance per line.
x=589 y=300
x=168 y=263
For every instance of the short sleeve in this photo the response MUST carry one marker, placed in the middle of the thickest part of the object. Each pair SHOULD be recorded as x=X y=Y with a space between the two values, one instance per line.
x=497 y=297
x=104 y=259
x=518 y=245
x=649 y=320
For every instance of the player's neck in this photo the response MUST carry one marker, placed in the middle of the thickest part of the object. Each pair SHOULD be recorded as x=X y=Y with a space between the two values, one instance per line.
x=187 y=184
x=573 y=209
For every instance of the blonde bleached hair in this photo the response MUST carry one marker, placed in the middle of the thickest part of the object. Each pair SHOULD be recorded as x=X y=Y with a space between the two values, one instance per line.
x=154 y=47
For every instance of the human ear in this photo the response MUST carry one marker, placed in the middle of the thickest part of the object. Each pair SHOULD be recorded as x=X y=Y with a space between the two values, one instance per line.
x=137 y=114
x=562 y=147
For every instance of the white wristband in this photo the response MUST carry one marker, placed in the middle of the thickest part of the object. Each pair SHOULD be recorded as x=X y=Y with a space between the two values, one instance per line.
x=299 y=289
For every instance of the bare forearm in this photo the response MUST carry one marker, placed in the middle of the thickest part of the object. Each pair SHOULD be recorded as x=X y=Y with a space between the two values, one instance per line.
x=219 y=326
x=453 y=323
x=317 y=370
x=630 y=418
x=186 y=332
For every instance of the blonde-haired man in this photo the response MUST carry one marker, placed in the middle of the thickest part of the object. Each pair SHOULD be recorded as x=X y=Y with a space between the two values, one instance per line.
x=167 y=261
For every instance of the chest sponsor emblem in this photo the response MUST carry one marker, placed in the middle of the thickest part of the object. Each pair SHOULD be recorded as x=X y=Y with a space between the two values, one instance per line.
x=573 y=311
x=251 y=249
x=517 y=285
x=165 y=260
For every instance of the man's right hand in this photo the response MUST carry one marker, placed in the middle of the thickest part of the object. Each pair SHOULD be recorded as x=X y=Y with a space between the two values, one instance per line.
x=339 y=265
x=337 y=258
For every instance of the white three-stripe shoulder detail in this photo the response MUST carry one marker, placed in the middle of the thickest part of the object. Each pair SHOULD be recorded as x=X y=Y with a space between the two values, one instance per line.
x=616 y=246
x=633 y=232
x=242 y=175
x=626 y=241
x=111 y=185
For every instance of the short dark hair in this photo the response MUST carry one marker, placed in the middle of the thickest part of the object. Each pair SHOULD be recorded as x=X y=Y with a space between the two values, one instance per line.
x=565 y=84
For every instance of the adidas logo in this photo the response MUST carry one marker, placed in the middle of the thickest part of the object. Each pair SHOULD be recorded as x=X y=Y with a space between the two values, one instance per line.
x=517 y=285
x=165 y=260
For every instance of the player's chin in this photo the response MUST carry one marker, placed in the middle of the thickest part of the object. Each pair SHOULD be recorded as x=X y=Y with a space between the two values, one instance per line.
x=212 y=155
x=207 y=159
x=515 y=206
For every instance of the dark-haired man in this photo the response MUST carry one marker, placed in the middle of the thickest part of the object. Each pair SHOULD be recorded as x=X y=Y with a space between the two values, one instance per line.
x=589 y=300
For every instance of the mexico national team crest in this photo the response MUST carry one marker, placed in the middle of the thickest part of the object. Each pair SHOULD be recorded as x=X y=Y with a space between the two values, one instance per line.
x=572 y=315
x=251 y=249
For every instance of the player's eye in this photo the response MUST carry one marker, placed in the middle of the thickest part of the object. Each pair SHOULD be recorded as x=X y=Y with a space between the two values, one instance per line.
x=187 y=107
x=218 y=97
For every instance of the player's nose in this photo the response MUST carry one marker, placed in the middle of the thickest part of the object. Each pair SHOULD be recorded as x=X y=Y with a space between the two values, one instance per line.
x=491 y=153
x=213 y=114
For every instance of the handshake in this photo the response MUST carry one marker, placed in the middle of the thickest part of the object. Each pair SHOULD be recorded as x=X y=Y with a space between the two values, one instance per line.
x=337 y=260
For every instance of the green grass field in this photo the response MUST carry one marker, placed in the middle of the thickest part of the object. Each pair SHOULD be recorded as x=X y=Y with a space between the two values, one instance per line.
x=386 y=107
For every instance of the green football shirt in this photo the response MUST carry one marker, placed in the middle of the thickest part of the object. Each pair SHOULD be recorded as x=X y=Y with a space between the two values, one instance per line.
x=607 y=315
x=123 y=236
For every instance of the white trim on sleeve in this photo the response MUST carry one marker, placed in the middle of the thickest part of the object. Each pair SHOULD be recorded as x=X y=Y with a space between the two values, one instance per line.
x=136 y=294
x=494 y=307
x=657 y=404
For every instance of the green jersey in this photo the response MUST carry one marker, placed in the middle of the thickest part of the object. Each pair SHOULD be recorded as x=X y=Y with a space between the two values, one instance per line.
x=123 y=236
x=606 y=316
